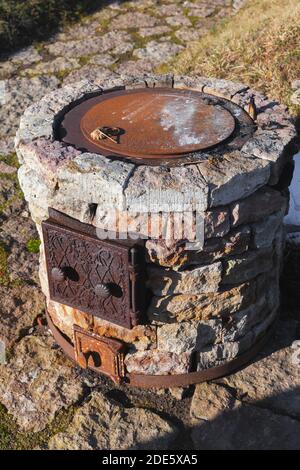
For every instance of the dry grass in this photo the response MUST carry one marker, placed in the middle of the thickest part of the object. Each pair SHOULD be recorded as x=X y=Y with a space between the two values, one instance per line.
x=259 y=46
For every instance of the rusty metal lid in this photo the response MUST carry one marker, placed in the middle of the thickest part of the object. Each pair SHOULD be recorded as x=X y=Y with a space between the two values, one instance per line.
x=146 y=124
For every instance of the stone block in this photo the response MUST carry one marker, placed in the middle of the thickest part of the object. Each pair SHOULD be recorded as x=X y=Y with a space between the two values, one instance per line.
x=97 y=179
x=38 y=382
x=195 y=281
x=215 y=408
x=216 y=223
x=140 y=337
x=241 y=322
x=177 y=256
x=161 y=189
x=223 y=88
x=257 y=207
x=264 y=232
x=274 y=380
x=272 y=146
x=100 y=424
x=184 y=337
x=247 y=266
x=157 y=363
x=218 y=353
x=178 y=308
x=233 y=176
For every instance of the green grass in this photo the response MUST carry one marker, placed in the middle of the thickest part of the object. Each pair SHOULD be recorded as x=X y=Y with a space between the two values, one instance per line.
x=12 y=439
x=5 y=203
x=4 y=274
x=10 y=159
x=33 y=246
x=259 y=46
x=5 y=278
x=22 y=22
x=84 y=60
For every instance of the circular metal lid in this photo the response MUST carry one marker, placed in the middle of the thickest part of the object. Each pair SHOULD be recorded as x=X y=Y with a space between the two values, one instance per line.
x=148 y=123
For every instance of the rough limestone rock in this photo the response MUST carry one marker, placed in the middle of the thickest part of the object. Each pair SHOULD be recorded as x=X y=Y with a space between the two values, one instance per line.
x=18 y=310
x=177 y=256
x=94 y=177
x=98 y=177
x=233 y=177
x=264 y=232
x=37 y=382
x=134 y=21
x=155 y=189
x=216 y=222
x=241 y=322
x=195 y=281
x=123 y=221
x=158 y=51
x=220 y=421
x=101 y=42
x=220 y=353
x=101 y=425
x=64 y=318
x=165 y=254
x=226 y=351
x=275 y=116
x=157 y=362
x=77 y=48
x=273 y=381
x=17 y=94
x=178 y=392
x=182 y=337
x=37 y=157
x=271 y=146
x=222 y=87
x=37 y=193
x=209 y=401
x=177 y=308
x=256 y=207
x=247 y=266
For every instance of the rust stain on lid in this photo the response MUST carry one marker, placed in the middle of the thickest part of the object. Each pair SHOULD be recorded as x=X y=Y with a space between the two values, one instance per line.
x=154 y=123
x=158 y=123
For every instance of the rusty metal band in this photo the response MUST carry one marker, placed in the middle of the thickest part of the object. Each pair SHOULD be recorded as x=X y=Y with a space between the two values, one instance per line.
x=178 y=380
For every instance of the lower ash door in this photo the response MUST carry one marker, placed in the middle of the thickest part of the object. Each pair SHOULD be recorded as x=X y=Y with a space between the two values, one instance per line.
x=95 y=276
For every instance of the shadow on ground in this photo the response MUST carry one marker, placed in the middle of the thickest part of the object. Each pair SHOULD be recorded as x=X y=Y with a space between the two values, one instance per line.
x=22 y=23
x=243 y=427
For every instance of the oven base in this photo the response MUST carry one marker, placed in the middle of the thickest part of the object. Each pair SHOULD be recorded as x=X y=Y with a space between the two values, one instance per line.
x=169 y=381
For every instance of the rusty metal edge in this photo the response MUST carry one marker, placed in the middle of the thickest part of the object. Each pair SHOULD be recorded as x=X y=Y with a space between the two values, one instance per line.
x=179 y=380
x=78 y=141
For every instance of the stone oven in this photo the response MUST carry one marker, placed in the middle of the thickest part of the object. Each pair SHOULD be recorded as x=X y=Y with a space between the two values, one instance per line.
x=159 y=202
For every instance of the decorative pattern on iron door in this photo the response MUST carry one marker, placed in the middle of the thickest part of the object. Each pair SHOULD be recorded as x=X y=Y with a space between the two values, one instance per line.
x=88 y=274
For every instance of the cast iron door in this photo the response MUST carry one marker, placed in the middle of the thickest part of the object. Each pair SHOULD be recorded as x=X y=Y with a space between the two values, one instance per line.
x=89 y=274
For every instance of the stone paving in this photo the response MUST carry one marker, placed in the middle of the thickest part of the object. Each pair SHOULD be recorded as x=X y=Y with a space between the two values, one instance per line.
x=257 y=407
